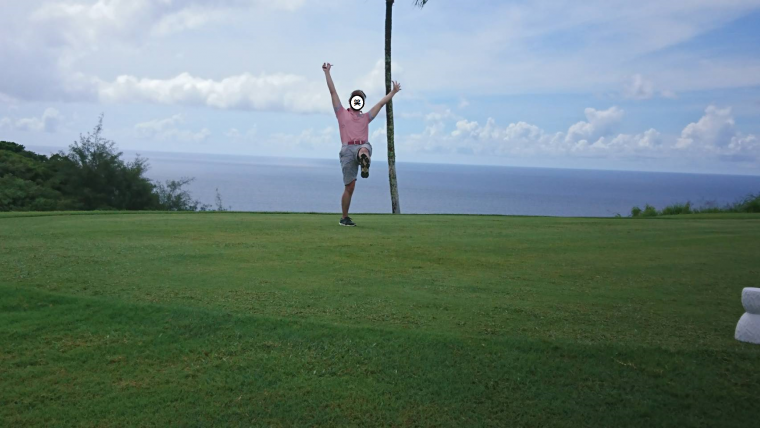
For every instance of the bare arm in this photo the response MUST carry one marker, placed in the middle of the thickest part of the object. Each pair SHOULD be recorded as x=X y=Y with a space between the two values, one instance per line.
x=331 y=86
x=376 y=109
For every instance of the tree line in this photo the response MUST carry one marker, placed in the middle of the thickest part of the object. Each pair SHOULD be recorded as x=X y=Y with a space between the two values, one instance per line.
x=747 y=204
x=89 y=175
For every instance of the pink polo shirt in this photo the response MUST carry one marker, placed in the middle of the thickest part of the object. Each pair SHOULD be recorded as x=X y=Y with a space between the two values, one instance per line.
x=353 y=125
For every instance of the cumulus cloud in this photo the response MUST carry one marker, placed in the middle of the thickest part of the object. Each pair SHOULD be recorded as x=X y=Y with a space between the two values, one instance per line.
x=716 y=132
x=48 y=122
x=440 y=116
x=278 y=92
x=46 y=41
x=168 y=130
x=486 y=139
x=598 y=124
x=715 y=135
x=593 y=137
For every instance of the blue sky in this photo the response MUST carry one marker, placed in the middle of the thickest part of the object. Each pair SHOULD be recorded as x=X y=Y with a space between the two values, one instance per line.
x=646 y=85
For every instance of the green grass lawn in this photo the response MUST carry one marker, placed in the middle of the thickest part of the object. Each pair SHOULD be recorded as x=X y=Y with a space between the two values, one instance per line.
x=290 y=320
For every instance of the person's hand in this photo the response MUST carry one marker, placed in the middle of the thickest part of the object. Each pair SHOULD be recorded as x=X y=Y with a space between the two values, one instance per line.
x=326 y=67
x=396 y=88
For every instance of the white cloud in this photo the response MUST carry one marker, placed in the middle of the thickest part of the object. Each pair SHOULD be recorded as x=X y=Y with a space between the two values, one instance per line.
x=716 y=132
x=639 y=88
x=91 y=23
x=50 y=43
x=158 y=125
x=168 y=130
x=263 y=92
x=278 y=92
x=648 y=139
x=622 y=144
x=594 y=137
x=463 y=103
x=508 y=48
x=186 y=19
x=598 y=124
x=48 y=122
x=440 y=116
x=715 y=135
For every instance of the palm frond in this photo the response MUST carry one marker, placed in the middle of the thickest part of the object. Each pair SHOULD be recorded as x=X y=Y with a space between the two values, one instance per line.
x=420 y=3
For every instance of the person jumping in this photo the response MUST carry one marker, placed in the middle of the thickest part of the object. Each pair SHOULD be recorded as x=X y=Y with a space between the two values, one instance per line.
x=354 y=135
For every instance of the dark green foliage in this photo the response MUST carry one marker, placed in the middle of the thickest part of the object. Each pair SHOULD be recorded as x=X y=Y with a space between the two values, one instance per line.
x=749 y=204
x=676 y=209
x=649 y=211
x=7 y=146
x=17 y=194
x=91 y=175
x=28 y=181
x=173 y=197
x=97 y=177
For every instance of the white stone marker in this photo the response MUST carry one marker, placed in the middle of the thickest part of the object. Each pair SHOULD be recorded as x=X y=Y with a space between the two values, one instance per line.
x=748 y=329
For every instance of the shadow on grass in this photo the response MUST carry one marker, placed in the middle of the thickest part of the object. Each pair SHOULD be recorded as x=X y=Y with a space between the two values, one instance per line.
x=88 y=361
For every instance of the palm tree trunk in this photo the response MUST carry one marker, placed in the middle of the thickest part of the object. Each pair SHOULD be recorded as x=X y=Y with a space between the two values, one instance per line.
x=389 y=109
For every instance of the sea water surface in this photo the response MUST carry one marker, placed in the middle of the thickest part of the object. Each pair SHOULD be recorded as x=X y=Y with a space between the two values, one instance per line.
x=249 y=183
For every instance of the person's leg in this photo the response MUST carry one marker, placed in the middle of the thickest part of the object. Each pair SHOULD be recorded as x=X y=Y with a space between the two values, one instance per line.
x=348 y=192
x=364 y=157
x=350 y=170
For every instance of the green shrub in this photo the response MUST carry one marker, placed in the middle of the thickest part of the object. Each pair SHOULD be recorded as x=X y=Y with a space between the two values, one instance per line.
x=173 y=197
x=90 y=175
x=750 y=204
x=711 y=210
x=677 y=209
x=649 y=211
x=95 y=175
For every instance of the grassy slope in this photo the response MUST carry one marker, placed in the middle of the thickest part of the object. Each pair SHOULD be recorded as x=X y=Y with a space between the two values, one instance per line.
x=415 y=320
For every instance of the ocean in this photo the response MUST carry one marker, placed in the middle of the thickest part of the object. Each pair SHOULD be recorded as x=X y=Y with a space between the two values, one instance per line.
x=249 y=183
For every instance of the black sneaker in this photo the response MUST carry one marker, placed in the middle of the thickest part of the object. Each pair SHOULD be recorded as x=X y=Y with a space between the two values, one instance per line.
x=364 y=161
x=346 y=221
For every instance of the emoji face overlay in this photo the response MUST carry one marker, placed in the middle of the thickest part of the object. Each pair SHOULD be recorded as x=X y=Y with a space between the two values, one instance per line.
x=357 y=102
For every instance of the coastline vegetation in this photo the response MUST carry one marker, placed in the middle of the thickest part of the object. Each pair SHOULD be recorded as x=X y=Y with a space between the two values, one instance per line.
x=90 y=175
x=748 y=204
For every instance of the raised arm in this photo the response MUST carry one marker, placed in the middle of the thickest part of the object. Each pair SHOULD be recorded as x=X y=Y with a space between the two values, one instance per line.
x=376 y=109
x=330 y=85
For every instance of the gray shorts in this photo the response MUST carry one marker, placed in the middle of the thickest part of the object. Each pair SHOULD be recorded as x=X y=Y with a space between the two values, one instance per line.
x=349 y=160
